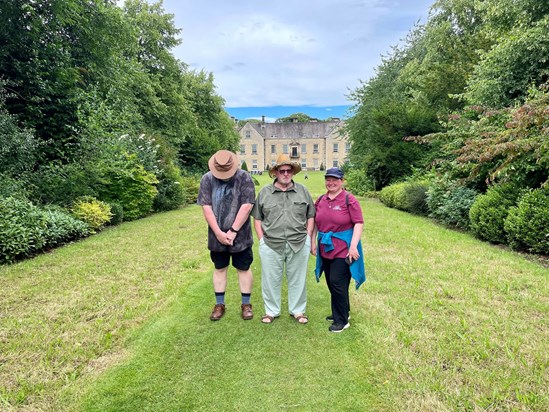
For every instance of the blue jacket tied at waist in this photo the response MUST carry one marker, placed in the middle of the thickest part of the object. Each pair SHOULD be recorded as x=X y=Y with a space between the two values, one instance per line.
x=358 y=272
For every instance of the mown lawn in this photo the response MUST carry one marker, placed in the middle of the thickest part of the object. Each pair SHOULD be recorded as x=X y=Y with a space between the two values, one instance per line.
x=119 y=322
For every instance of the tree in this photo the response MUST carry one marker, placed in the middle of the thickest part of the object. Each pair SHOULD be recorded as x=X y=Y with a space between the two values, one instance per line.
x=482 y=146
x=487 y=53
x=18 y=147
x=517 y=62
x=35 y=56
x=212 y=129
x=296 y=117
x=385 y=114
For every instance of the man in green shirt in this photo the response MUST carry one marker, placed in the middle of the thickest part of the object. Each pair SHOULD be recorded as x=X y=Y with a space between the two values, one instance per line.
x=283 y=220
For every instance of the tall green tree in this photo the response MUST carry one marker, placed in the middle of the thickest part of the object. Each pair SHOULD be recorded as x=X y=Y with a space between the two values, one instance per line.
x=470 y=52
x=386 y=111
x=516 y=63
x=212 y=127
x=35 y=56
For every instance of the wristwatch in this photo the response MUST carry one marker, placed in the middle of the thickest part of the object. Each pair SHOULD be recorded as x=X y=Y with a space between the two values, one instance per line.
x=233 y=230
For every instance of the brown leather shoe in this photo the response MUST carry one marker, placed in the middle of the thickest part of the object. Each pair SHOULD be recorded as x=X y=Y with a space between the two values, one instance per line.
x=218 y=312
x=247 y=313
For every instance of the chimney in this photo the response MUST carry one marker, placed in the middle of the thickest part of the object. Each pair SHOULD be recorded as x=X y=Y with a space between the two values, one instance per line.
x=263 y=119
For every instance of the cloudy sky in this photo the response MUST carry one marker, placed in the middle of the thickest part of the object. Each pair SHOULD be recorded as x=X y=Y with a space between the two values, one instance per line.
x=290 y=52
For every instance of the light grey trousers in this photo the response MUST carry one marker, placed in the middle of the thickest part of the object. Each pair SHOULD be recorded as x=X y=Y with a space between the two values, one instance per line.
x=272 y=272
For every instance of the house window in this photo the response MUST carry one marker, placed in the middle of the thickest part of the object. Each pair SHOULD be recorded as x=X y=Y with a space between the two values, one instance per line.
x=336 y=148
x=285 y=148
x=273 y=149
x=248 y=134
x=294 y=152
x=254 y=149
x=254 y=164
x=315 y=148
x=336 y=164
x=303 y=148
x=315 y=163
x=242 y=149
x=303 y=164
x=347 y=147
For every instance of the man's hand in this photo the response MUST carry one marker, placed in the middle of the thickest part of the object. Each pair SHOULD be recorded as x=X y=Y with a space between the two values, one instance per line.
x=225 y=238
x=231 y=236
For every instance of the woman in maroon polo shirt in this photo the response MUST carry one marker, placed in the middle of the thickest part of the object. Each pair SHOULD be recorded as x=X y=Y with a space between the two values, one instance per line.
x=339 y=221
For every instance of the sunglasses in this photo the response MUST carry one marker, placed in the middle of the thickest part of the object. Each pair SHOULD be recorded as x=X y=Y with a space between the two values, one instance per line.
x=285 y=171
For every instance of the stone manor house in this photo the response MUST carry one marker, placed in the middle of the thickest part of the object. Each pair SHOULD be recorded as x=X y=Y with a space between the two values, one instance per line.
x=314 y=145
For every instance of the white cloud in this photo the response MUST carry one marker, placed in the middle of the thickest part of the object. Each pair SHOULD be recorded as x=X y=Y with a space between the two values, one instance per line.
x=290 y=52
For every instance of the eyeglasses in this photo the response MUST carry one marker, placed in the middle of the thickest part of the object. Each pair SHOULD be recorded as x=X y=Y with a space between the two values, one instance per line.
x=285 y=171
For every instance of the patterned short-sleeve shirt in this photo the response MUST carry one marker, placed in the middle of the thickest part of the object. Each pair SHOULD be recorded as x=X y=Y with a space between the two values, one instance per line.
x=226 y=198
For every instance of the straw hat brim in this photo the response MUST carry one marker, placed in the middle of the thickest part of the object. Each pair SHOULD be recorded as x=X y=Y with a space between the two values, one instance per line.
x=295 y=166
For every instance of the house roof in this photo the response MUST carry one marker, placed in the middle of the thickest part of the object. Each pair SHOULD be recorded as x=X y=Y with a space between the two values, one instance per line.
x=312 y=130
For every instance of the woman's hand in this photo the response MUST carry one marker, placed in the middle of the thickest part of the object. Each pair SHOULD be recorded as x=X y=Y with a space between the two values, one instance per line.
x=353 y=253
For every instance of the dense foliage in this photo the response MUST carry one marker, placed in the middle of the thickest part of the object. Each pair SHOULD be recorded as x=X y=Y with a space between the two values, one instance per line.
x=91 y=211
x=527 y=224
x=26 y=229
x=93 y=103
x=62 y=88
x=463 y=98
x=460 y=77
x=488 y=213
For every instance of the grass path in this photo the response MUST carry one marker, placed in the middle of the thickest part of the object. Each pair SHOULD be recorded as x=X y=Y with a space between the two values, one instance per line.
x=119 y=322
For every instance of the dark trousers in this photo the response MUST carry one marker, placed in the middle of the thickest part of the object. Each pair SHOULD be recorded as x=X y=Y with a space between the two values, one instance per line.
x=338 y=278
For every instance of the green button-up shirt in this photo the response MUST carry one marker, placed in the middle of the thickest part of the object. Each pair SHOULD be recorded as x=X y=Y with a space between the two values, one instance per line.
x=284 y=215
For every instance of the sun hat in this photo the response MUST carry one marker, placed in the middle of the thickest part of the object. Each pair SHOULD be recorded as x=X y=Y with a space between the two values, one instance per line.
x=223 y=164
x=284 y=160
x=334 y=172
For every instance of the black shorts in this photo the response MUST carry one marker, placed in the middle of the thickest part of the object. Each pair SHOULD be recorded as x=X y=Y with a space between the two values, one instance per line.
x=241 y=260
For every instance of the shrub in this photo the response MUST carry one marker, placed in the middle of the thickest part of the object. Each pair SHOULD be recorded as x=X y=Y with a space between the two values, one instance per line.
x=171 y=193
x=449 y=202
x=13 y=187
x=191 y=185
x=386 y=196
x=487 y=215
x=22 y=227
x=128 y=183
x=527 y=224
x=416 y=197
x=394 y=196
x=408 y=196
x=358 y=183
x=117 y=212
x=18 y=147
x=61 y=227
x=61 y=184
x=26 y=229
x=93 y=212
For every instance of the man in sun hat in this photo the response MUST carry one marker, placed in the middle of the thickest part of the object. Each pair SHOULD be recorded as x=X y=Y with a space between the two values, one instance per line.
x=284 y=220
x=227 y=195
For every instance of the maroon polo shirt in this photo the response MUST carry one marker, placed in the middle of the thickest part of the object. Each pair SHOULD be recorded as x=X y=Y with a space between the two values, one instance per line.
x=335 y=215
